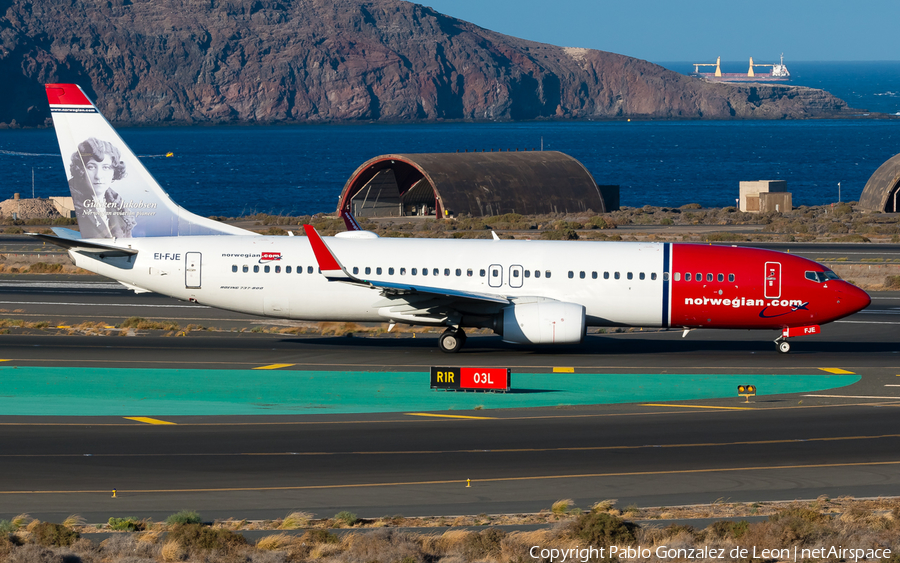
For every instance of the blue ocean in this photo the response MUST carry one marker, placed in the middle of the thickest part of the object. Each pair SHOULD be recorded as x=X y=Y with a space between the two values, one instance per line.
x=235 y=171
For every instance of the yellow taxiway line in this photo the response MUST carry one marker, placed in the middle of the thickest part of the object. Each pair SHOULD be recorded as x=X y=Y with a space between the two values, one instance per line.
x=275 y=366
x=450 y=416
x=147 y=420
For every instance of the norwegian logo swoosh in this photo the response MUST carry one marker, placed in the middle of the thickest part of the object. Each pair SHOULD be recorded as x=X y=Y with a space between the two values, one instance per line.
x=797 y=308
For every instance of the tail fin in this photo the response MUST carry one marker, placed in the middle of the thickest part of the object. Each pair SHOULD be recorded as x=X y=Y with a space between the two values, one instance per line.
x=114 y=195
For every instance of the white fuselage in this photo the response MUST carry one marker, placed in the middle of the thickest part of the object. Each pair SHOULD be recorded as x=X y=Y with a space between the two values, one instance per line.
x=622 y=283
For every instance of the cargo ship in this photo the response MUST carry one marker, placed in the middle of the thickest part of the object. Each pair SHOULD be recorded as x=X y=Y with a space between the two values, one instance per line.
x=778 y=73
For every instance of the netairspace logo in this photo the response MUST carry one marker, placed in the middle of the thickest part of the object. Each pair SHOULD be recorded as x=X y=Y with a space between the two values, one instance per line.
x=585 y=554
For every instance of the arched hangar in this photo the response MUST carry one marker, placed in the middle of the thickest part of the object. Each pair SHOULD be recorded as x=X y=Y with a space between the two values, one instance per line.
x=882 y=191
x=476 y=183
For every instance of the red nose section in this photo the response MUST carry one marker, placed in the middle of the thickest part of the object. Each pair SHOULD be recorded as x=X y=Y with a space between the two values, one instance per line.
x=851 y=299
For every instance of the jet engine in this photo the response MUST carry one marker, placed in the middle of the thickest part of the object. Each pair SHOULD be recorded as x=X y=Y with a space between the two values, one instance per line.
x=544 y=322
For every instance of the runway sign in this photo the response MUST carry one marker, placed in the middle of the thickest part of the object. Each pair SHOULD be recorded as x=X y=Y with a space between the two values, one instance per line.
x=475 y=379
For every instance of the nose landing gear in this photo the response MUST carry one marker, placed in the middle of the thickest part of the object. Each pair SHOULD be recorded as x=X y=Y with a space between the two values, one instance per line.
x=781 y=342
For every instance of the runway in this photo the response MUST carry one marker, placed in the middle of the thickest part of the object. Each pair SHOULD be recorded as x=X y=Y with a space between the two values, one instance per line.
x=834 y=440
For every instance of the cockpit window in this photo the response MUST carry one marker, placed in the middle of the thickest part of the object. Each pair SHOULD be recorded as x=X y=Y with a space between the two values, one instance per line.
x=820 y=277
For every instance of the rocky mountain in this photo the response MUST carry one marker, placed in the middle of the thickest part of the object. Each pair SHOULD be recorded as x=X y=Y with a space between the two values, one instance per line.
x=265 y=61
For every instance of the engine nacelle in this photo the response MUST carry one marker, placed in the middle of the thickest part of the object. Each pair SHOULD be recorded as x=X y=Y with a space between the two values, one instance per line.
x=545 y=322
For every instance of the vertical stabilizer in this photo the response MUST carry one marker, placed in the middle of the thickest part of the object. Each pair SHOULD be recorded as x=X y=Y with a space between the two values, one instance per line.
x=114 y=195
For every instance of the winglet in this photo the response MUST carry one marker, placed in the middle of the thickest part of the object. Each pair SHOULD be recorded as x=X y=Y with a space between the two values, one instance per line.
x=350 y=221
x=328 y=262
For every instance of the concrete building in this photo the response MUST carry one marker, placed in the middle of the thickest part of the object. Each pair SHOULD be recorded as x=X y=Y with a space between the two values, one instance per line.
x=776 y=196
x=475 y=183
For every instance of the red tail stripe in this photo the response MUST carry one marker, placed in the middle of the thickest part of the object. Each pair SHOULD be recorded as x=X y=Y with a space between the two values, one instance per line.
x=66 y=95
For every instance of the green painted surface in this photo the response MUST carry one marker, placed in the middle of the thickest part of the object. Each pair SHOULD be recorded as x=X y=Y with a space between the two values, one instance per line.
x=156 y=392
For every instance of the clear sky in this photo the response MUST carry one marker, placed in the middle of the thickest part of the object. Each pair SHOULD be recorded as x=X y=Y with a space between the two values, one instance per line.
x=697 y=30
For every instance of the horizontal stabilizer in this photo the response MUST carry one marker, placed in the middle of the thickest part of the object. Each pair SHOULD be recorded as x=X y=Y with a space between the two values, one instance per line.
x=78 y=244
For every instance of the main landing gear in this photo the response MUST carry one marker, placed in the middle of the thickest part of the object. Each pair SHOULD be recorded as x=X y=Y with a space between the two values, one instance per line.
x=452 y=340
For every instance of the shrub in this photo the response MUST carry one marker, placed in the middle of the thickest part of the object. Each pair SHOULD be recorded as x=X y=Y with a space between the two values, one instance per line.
x=724 y=237
x=346 y=518
x=319 y=536
x=483 y=545
x=559 y=234
x=44 y=268
x=892 y=282
x=127 y=524
x=199 y=537
x=602 y=530
x=184 y=517
x=49 y=534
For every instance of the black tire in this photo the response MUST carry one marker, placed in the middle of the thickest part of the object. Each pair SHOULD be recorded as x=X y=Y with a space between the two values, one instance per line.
x=784 y=347
x=451 y=341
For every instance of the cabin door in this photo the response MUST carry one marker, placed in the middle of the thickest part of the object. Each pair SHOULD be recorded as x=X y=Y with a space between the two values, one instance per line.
x=192 y=270
x=773 y=280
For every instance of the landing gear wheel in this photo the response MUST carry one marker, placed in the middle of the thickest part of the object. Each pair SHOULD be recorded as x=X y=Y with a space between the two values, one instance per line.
x=451 y=341
x=784 y=346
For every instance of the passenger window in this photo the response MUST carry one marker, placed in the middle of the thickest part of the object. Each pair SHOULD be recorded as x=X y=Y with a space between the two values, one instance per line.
x=496 y=273
x=277 y=269
x=245 y=268
x=437 y=272
x=665 y=276
x=319 y=270
x=616 y=275
x=458 y=272
x=255 y=269
x=424 y=271
x=368 y=270
x=527 y=273
x=287 y=269
x=537 y=273
x=571 y=274
x=299 y=269
x=709 y=277
x=593 y=275
x=515 y=273
x=469 y=272
x=581 y=275
x=546 y=273
x=266 y=269
x=731 y=277
x=446 y=271
x=653 y=276
x=606 y=275
x=677 y=276
x=234 y=268
x=309 y=269
x=402 y=271
x=630 y=275
x=687 y=277
x=355 y=270
x=378 y=271
x=721 y=277
x=699 y=277
x=413 y=271
x=482 y=273
x=390 y=271
x=641 y=275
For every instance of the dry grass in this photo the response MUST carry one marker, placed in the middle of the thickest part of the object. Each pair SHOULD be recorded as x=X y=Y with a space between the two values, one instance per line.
x=275 y=542
x=295 y=520
x=851 y=523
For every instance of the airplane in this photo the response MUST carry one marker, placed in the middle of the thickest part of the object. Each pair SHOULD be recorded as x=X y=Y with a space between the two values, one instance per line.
x=527 y=291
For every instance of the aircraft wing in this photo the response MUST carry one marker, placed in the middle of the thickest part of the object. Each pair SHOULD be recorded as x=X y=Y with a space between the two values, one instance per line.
x=333 y=270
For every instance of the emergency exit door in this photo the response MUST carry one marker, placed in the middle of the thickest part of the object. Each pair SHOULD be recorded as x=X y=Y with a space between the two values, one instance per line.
x=192 y=270
x=773 y=280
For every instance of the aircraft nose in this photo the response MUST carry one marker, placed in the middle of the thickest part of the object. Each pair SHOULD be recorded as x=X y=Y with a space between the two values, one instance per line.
x=852 y=299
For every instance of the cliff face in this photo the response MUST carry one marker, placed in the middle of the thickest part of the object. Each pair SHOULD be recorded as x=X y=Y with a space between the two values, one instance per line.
x=201 y=61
